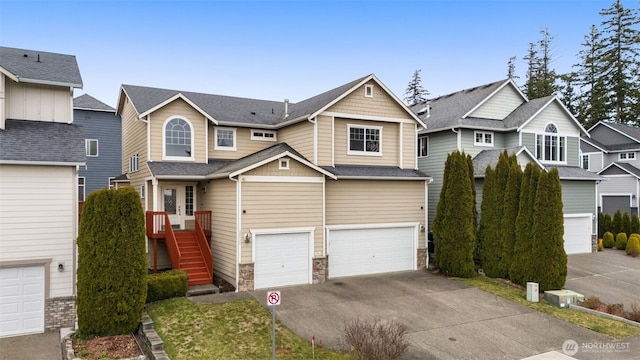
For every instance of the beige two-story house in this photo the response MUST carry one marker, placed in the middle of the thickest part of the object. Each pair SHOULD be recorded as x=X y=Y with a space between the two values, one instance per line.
x=282 y=193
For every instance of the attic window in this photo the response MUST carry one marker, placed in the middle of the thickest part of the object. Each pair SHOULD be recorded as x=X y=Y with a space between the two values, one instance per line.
x=368 y=91
x=263 y=135
x=283 y=164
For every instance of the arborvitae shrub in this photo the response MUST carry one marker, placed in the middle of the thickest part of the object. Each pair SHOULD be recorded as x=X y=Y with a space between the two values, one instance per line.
x=600 y=225
x=626 y=224
x=167 y=285
x=112 y=265
x=607 y=240
x=621 y=241
x=606 y=223
x=635 y=224
x=633 y=246
x=616 y=222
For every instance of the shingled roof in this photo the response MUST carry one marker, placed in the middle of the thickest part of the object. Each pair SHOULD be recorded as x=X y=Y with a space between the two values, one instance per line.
x=40 y=67
x=88 y=102
x=24 y=141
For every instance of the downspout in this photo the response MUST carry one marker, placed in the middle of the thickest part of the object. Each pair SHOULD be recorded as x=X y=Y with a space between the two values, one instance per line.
x=148 y=122
x=426 y=219
x=74 y=245
x=238 y=243
x=459 y=139
x=401 y=143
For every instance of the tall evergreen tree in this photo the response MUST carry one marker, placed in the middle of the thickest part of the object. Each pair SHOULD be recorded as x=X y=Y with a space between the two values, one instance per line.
x=511 y=68
x=521 y=267
x=548 y=258
x=509 y=216
x=415 y=93
x=619 y=62
x=454 y=234
x=589 y=79
x=541 y=77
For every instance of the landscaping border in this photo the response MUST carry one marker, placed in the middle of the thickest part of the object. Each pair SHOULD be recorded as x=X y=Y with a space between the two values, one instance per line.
x=603 y=314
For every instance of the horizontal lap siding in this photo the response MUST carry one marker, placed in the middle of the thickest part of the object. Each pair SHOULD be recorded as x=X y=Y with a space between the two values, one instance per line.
x=37 y=215
x=381 y=104
x=375 y=202
x=244 y=145
x=500 y=105
x=578 y=196
x=273 y=169
x=281 y=205
x=220 y=198
x=440 y=145
x=325 y=140
x=178 y=108
x=134 y=141
x=300 y=137
x=390 y=138
x=553 y=114
x=409 y=144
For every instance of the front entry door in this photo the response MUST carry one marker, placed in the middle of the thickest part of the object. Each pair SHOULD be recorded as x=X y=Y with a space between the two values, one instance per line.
x=178 y=202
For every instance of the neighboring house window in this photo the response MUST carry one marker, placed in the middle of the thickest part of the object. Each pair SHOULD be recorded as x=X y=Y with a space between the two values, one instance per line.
x=585 y=162
x=368 y=91
x=81 y=189
x=423 y=146
x=284 y=164
x=364 y=140
x=91 y=146
x=142 y=191
x=627 y=156
x=263 y=135
x=550 y=146
x=133 y=163
x=110 y=183
x=177 y=138
x=483 y=138
x=225 y=139
x=188 y=200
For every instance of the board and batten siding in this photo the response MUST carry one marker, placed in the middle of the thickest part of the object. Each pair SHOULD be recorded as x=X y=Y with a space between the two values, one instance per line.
x=300 y=137
x=37 y=102
x=244 y=145
x=325 y=140
x=220 y=198
x=440 y=145
x=500 y=104
x=281 y=205
x=37 y=220
x=178 y=108
x=381 y=104
x=375 y=202
x=389 y=140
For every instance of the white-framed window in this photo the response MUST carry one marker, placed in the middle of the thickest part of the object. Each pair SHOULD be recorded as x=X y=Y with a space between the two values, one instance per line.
x=627 y=156
x=188 y=200
x=81 y=188
x=585 y=162
x=365 y=140
x=483 y=138
x=225 y=139
x=110 y=183
x=423 y=146
x=283 y=164
x=368 y=91
x=91 y=147
x=178 y=138
x=133 y=163
x=550 y=146
x=263 y=135
x=142 y=191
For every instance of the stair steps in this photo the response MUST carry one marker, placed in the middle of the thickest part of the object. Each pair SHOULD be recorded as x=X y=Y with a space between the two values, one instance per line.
x=192 y=259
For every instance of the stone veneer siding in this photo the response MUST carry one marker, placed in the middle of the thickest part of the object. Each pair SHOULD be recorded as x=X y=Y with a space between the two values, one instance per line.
x=422 y=259
x=59 y=312
x=245 y=280
x=594 y=243
x=320 y=266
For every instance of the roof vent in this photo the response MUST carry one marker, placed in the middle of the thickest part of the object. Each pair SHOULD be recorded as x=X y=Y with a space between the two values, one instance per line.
x=38 y=57
x=286 y=107
x=25 y=55
x=425 y=110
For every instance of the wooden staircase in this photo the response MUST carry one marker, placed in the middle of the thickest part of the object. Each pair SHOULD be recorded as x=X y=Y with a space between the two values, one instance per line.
x=192 y=260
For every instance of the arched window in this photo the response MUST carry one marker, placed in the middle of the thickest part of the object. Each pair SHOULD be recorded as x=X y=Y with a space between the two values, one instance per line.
x=177 y=138
x=550 y=146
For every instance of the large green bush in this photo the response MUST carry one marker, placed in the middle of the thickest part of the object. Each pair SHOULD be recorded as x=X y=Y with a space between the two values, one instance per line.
x=621 y=241
x=608 y=241
x=633 y=246
x=167 y=285
x=548 y=256
x=112 y=284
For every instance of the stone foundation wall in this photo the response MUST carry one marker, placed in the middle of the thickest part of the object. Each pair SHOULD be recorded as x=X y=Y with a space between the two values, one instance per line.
x=59 y=312
x=594 y=243
x=245 y=280
x=422 y=259
x=320 y=266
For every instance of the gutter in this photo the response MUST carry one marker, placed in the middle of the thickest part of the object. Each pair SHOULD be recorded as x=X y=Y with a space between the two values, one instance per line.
x=49 y=163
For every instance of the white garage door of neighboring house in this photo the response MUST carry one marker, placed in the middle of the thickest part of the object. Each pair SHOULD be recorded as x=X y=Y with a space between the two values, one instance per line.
x=21 y=300
x=282 y=259
x=577 y=234
x=371 y=250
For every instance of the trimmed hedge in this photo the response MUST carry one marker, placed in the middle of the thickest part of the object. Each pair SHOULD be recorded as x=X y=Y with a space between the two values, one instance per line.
x=607 y=240
x=621 y=241
x=633 y=246
x=166 y=285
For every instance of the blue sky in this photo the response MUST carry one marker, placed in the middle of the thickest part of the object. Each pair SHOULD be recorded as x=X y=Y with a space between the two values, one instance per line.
x=279 y=50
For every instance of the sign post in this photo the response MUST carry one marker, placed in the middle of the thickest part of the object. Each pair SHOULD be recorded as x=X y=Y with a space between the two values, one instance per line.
x=273 y=299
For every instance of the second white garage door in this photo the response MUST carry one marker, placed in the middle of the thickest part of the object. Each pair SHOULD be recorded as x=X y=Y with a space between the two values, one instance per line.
x=361 y=251
x=577 y=233
x=282 y=259
x=21 y=300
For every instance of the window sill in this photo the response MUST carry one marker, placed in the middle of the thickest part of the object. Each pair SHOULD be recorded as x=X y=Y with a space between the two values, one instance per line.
x=483 y=145
x=178 y=158
x=224 y=148
x=363 y=153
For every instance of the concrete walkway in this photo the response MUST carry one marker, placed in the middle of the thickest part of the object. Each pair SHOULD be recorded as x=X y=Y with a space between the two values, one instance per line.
x=32 y=347
x=611 y=275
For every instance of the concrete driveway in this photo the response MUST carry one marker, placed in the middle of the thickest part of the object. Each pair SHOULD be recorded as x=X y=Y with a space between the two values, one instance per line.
x=611 y=275
x=445 y=319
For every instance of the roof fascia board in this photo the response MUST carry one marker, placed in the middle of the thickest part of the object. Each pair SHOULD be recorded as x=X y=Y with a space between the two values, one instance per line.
x=619 y=167
x=531 y=156
x=594 y=145
x=9 y=74
x=97 y=110
x=48 y=163
x=564 y=108
x=172 y=99
x=366 y=117
x=121 y=101
x=351 y=177
x=491 y=95
x=180 y=177
x=276 y=157
x=47 y=82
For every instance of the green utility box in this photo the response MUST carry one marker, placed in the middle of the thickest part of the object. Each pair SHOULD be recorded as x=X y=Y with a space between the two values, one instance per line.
x=562 y=298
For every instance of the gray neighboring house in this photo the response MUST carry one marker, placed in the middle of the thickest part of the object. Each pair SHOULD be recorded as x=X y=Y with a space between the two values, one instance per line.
x=103 y=143
x=41 y=150
x=484 y=120
x=611 y=150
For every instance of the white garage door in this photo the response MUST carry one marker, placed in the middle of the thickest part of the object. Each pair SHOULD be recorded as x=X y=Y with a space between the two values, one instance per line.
x=577 y=234
x=282 y=259
x=21 y=300
x=371 y=251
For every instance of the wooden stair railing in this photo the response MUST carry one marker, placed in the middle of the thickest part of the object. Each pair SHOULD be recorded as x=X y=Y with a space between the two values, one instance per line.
x=159 y=227
x=203 y=230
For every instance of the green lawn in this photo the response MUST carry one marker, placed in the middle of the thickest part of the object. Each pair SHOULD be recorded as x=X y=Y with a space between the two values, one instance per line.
x=613 y=328
x=231 y=330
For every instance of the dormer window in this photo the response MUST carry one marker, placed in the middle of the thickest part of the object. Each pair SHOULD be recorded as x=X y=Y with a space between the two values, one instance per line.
x=178 y=143
x=550 y=146
x=368 y=91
